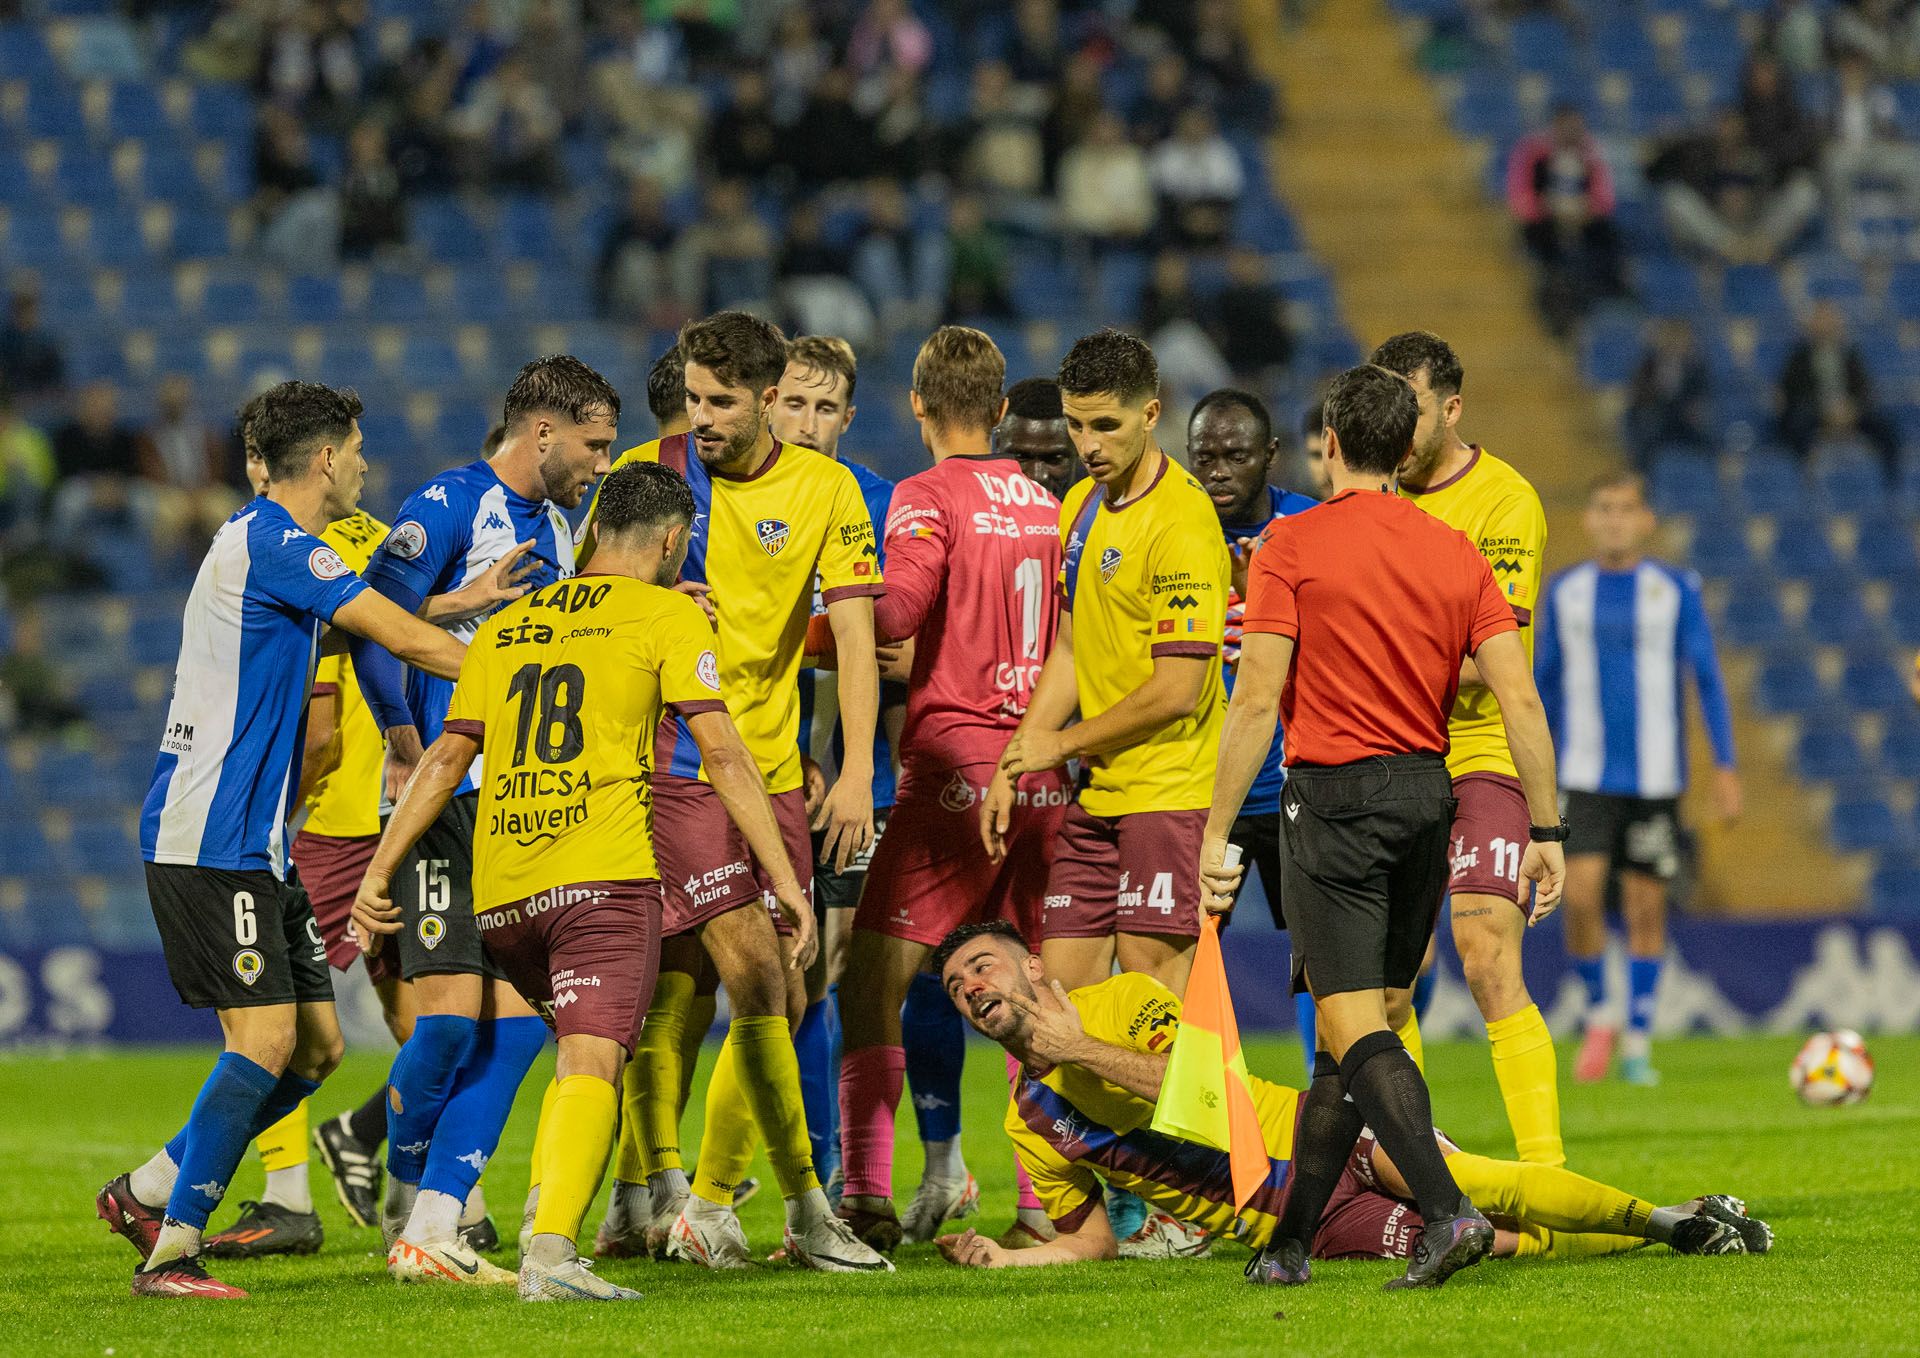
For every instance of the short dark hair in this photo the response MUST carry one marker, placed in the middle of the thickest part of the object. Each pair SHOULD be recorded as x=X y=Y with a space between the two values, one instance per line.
x=827 y=354
x=1372 y=411
x=289 y=422
x=243 y=419
x=560 y=384
x=1620 y=478
x=667 y=385
x=1110 y=362
x=1314 y=421
x=738 y=347
x=648 y=495
x=1230 y=397
x=1035 y=398
x=966 y=933
x=1413 y=350
x=491 y=443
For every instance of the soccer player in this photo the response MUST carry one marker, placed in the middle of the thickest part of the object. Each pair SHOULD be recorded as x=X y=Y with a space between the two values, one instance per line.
x=1091 y=1067
x=1034 y=431
x=973 y=546
x=667 y=403
x=1618 y=635
x=1469 y=488
x=1144 y=582
x=769 y=521
x=239 y=938
x=570 y=687
x=453 y=1083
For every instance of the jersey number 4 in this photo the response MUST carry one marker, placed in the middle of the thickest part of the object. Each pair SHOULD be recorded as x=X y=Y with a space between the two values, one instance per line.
x=549 y=704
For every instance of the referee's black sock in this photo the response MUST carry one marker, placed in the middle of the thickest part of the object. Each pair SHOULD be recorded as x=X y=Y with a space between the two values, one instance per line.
x=1329 y=1125
x=1392 y=1096
x=368 y=1122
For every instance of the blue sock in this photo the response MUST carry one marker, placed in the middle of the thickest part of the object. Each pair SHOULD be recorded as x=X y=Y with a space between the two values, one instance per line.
x=1304 y=1018
x=1423 y=992
x=1125 y=1212
x=1643 y=992
x=817 y=1045
x=216 y=1136
x=419 y=1086
x=285 y=1098
x=935 y=1038
x=469 y=1129
x=1592 y=972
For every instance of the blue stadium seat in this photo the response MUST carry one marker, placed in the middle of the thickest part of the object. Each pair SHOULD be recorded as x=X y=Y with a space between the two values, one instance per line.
x=431 y=361
x=478 y=297
x=527 y=230
x=1770 y=479
x=1895 y=893
x=1841 y=619
x=1667 y=285
x=1801 y=550
x=1850 y=479
x=446 y=231
x=114 y=238
x=1720 y=547
x=200 y=234
x=1753 y=615
x=24 y=848
x=314 y=299
x=1609 y=348
x=221 y=113
x=231 y=301
x=1788 y=685
x=398 y=297
x=135 y=110
x=1754 y=290
x=101 y=840
x=24 y=53
x=1686 y=482
x=1828 y=750
x=85 y=179
x=1884 y=546
x=1540 y=42
x=1873 y=683
x=1868 y=826
x=1900 y=743
x=53 y=110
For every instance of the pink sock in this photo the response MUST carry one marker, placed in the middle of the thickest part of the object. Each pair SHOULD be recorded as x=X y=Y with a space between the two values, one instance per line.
x=870 y=1081
x=1028 y=1198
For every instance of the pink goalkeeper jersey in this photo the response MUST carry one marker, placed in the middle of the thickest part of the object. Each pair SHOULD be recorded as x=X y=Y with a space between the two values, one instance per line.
x=973 y=549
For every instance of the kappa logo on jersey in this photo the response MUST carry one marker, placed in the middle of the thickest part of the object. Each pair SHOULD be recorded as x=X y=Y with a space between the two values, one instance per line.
x=707 y=668
x=432 y=930
x=289 y=534
x=408 y=540
x=493 y=520
x=248 y=964
x=476 y=1158
x=1109 y=563
x=435 y=492
x=325 y=563
x=773 y=535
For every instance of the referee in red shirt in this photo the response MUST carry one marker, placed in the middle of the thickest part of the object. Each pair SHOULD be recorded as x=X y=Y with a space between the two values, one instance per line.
x=1358 y=616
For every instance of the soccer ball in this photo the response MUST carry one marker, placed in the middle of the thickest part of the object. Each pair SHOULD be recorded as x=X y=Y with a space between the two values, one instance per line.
x=1832 y=1068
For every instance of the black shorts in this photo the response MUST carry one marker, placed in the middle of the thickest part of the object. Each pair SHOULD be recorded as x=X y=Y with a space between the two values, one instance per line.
x=1259 y=839
x=1365 y=866
x=841 y=890
x=1637 y=833
x=434 y=890
x=237 y=940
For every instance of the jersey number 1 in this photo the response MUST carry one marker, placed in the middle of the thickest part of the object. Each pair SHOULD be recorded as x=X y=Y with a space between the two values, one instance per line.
x=557 y=735
x=1030 y=583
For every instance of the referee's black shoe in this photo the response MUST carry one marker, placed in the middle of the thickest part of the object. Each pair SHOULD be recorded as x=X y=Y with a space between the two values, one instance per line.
x=267 y=1228
x=1445 y=1247
x=1281 y=1264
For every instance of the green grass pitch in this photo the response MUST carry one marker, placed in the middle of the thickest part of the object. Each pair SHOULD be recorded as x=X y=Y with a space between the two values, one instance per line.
x=1838 y=1185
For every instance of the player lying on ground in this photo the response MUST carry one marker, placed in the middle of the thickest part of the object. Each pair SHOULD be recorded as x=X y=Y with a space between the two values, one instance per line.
x=1092 y=1063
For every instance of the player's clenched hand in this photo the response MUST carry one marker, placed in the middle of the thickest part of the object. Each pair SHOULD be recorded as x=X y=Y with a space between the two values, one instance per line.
x=374 y=914
x=996 y=811
x=971 y=1249
x=1055 y=1033
x=404 y=753
x=846 y=818
x=1219 y=884
x=701 y=594
x=813 y=787
x=1545 y=865
x=1032 y=752
x=797 y=910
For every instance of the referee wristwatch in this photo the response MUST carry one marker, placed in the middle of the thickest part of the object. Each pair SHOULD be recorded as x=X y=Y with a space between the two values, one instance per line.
x=1548 y=834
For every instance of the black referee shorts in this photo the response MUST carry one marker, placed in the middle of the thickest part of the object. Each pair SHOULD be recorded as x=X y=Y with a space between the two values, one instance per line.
x=1364 y=867
x=1258 y=838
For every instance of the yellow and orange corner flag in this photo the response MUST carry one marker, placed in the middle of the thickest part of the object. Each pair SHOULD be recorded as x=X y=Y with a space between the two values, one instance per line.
x=1206 y=1095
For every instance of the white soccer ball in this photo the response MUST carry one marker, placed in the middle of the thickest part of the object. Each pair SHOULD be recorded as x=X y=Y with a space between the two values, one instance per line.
x=1832 y=1068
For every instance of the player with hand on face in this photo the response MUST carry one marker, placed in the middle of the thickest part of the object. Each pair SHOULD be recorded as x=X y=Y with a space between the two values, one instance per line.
x=1034 y=432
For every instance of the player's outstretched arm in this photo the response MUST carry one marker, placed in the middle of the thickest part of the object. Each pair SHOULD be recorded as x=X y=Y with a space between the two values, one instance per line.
x=1092 y=1239
x=1252 y=716
x=419 y=804
x=1503 y=662
x=320 y=755
x=737 y=782
x=847 y=814
x=370 y=614
x=502 y=582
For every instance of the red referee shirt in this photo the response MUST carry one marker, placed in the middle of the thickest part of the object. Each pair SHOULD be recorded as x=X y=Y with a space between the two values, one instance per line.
x=1383 y=601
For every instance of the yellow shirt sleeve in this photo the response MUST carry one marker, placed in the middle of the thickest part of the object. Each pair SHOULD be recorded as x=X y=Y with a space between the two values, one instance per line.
x=1189 y=602
x=849 y=560
x=1067 y=1189
x=1131 y=1010
x=1514 y=542
x=327 y=674
x=689 y=667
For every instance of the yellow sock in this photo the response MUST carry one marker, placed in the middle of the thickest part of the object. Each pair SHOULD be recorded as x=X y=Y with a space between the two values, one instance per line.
x=1540 y=1243
x=731 y=1135
x=650 y=1085
x=1523 y=1063
x=284 y=1145
x=576 y=1127
x=536 y=1162
x=700 y=1012
x=1410 y=1038
x=1546 y=1195
x=755 y=1088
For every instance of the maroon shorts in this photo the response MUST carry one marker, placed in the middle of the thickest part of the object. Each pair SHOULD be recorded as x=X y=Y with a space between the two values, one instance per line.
x=585 y=955
x=1134 y=874
x=1489 y=837
x=331 y=870
x=704 y=860
x=1363 y=1220
x=931 y=873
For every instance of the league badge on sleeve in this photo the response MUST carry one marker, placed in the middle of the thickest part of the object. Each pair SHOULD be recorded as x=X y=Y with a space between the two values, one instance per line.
x=773 y=535
x=407 y=541
x=325 y=563
x=708 y=669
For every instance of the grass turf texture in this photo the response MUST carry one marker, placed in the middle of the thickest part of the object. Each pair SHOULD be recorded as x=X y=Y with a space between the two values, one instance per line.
x=1838 y=1186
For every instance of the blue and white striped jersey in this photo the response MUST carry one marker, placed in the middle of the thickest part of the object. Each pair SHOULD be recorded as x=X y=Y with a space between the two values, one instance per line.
x=448 y=532
x=1613 y=649
x=230 y=758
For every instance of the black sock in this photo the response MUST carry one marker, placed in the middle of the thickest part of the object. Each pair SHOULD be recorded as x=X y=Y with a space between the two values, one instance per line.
x=368 y=1122
x=1329 y=1125
x=1392 y=1096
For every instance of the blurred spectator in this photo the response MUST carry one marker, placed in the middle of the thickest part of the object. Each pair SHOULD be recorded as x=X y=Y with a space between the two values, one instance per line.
x=1250 y=318
x=903 y=272
x=30 y=360
x=1825 y=395
x=1036 y=56
x=1198 y=177
x=1885 y=32
x=1106 y=193
x=1560 y=190
x=1003 y=154
x=1777 y=123
x=633 y=279
x=902 y=136
x=889 y=35
x=1078 y=102
x=725 y=259
x=1720 y=195
x=981 y=284
x=1160 y=104
x=26 y=469
x=310 y=61
x=1797 y=35
x=1191 y=364
x=372 y=213
x=1220 y=59
x=299 y=217
x=832 y=142
x=183 y=458
x=815 y=291
x=227 y=51
x=34 y=691
x=554 y=50
x=643 y=88
x=743 y=141
x=509 y=130
x=1865 y=143
x=98 y=461
x=800 y=56
x=419 y=145
x=1667 y=398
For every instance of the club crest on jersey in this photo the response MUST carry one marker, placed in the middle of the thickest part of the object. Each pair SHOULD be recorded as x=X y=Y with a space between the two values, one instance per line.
x=773 y=535
x=248 y=964
x=325 y=563
x=432 y=930
x=407 y=541
x=1109 y=563
x=708 y=668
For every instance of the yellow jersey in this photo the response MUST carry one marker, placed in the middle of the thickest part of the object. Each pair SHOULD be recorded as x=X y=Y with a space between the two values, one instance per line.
x=346 y=803
x=564 y=688
x=1498 y=509
x=1074 y=1129
x=1145 y=580
x=760 y=541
